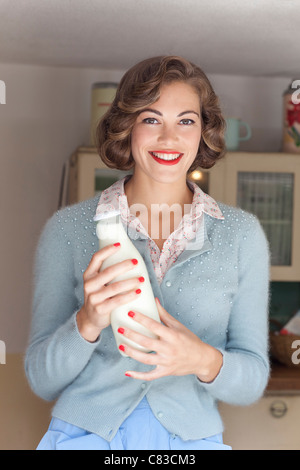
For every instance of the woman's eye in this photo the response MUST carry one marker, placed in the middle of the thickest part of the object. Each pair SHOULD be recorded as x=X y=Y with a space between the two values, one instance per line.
x=150 y=120
x=187 y=122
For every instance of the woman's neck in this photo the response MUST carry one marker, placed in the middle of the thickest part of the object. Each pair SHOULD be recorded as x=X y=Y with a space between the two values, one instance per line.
x=150 y=194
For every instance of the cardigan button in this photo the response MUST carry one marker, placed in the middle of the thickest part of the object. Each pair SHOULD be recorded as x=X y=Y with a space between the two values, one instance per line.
x=168 y=283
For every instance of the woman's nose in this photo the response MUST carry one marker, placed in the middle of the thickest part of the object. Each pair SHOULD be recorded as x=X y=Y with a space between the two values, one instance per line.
x=167 y=134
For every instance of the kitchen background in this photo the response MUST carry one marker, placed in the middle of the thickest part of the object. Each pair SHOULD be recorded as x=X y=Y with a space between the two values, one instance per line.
x=51 y=53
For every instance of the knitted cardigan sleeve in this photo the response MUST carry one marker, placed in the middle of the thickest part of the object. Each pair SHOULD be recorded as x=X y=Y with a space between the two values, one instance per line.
x=57 y=353
x=245 y=371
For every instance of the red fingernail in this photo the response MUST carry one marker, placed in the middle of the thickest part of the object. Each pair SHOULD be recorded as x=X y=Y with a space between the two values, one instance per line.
x=127 y=375
x=117 y=244
x=158 y=300
x=131 y=314
x=121 y=330
x=134 y=261
x=141 y=279
x=138 y=291
x=121 y=347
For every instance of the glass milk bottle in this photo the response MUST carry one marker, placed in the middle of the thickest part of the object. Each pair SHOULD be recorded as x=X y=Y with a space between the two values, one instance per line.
x=110 y=230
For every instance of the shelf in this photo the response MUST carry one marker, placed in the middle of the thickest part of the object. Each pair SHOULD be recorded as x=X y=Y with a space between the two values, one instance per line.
x=284 y=379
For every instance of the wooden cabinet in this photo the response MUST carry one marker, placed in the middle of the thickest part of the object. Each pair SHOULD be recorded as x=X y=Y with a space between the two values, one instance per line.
x=86 y=176
x=273 y=422
x=268 y=185
x=270 y=424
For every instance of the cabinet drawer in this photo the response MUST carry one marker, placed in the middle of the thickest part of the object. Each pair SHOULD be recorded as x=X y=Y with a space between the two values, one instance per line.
x=270 y=424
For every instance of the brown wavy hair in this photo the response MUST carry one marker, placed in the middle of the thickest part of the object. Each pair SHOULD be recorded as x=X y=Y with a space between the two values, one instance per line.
x=139 y=88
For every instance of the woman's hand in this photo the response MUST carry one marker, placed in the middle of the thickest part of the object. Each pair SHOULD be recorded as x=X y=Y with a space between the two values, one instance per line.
x=177 y=351
x=100 y=297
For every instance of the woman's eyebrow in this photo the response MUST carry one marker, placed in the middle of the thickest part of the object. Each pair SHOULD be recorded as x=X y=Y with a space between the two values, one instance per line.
x=188 y=112
x=155 y=111
x=147 y=110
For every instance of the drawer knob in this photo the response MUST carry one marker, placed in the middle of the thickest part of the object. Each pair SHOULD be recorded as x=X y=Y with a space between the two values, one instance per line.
x=278 y=408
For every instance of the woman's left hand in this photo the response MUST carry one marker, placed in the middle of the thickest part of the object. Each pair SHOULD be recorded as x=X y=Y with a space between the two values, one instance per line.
x=177 y=351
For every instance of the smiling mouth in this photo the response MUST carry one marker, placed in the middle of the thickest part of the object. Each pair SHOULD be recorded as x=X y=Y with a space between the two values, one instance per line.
x=167 y=158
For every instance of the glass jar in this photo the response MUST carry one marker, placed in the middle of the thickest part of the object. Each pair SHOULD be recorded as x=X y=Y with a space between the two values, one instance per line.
x=291 y=118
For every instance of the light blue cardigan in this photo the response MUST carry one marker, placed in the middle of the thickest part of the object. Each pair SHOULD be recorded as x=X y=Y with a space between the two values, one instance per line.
x=218 y=289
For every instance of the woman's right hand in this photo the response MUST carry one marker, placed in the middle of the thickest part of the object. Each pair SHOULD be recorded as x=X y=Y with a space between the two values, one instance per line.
x=100 y=297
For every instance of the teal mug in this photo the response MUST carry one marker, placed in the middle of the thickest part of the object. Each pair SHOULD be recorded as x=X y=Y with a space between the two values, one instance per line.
x=233 y=131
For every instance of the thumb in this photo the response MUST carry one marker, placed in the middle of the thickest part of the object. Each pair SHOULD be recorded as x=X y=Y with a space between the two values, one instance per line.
x=164 y=315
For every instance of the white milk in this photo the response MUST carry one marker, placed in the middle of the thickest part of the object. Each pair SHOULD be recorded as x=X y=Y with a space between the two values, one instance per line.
x=110 y=230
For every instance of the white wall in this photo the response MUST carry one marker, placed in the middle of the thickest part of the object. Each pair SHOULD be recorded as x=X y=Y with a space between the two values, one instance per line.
x=45 y=118
x=258 y=101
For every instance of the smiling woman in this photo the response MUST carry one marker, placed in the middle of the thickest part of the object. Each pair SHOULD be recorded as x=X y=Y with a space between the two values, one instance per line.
x=208 y=271
x=167 y=138
x=139 y=89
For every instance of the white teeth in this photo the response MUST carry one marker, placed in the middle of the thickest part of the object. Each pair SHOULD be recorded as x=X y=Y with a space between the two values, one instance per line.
x=166 y=156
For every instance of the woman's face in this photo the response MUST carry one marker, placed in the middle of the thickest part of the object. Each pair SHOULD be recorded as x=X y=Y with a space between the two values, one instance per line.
x=166 y=136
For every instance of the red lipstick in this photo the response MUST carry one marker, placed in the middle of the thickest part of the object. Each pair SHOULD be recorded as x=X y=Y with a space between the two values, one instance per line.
x=166 y=162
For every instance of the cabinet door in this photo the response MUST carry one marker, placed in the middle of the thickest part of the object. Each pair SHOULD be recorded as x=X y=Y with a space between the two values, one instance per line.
x=89 y=176
x=268 y=185
x=270 y=424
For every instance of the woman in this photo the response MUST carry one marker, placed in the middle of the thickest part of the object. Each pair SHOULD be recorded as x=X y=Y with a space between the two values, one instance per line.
x=208 y=270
